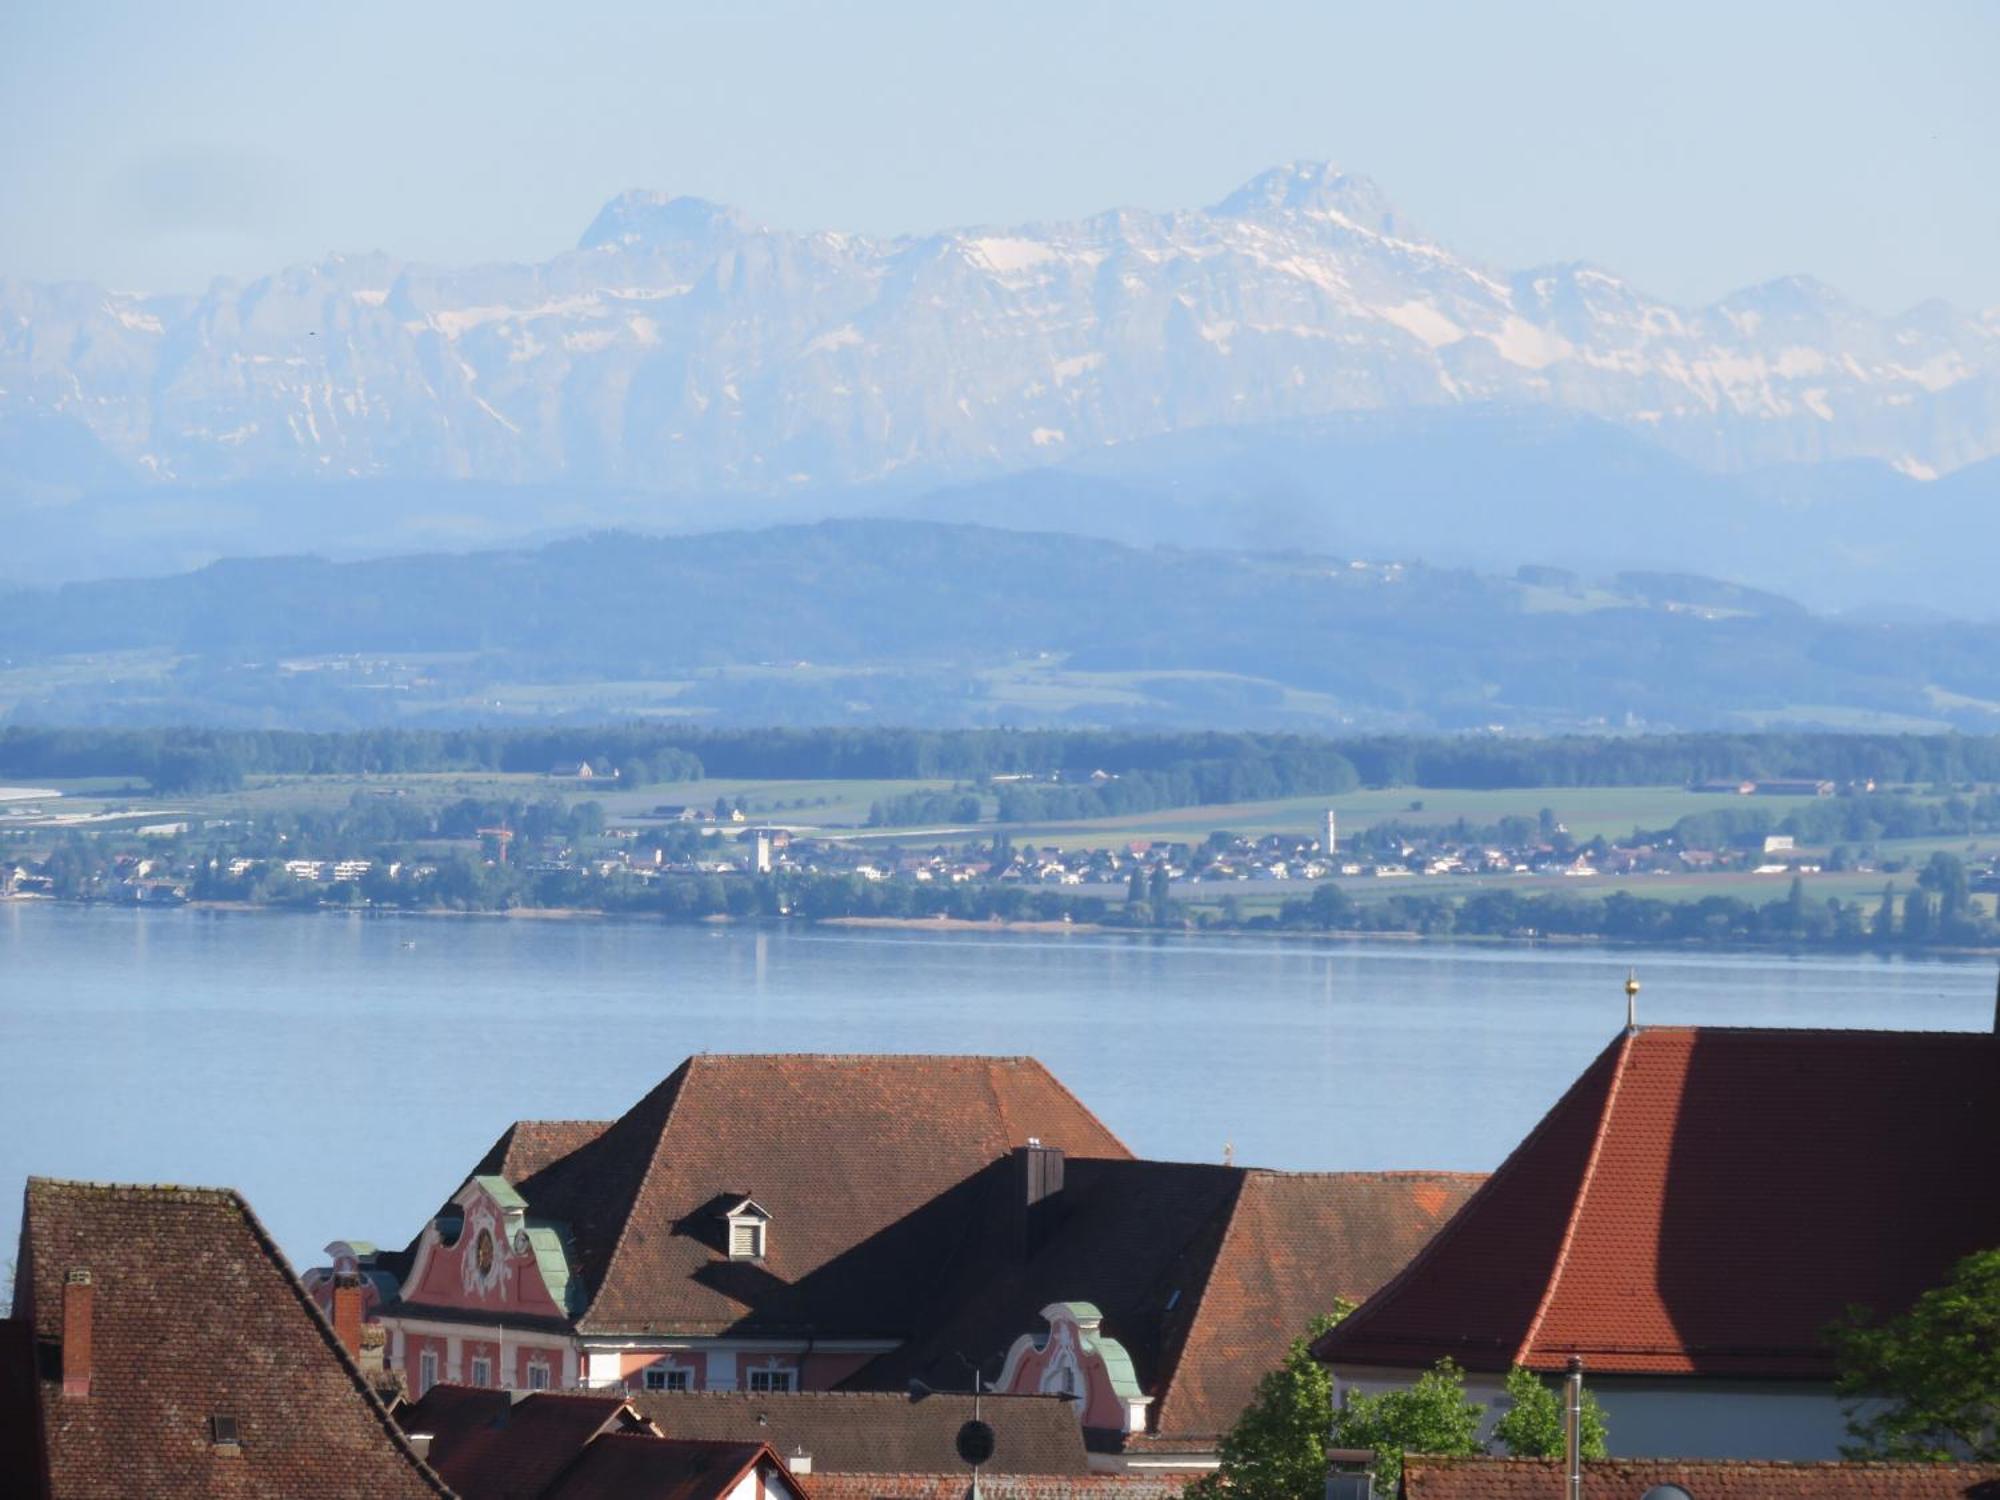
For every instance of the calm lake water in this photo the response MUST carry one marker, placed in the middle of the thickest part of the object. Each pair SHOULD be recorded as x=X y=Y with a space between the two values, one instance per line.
x=346 y=1082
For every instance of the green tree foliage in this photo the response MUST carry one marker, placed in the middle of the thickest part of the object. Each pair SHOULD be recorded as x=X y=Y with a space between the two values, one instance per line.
x=1935 y=1372
x=1432 y=1416
x=1532 y=1426
x=920 y=809
x=1277 y=1449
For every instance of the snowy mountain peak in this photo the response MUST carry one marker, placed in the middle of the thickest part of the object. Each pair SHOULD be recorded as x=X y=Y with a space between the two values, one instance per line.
x=685 y=349
x=1314 y=187
x=639 y=217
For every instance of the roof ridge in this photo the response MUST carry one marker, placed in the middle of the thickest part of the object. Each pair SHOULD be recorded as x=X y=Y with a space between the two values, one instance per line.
x=398 y=1439
x=162 y=1192
x=1172 y=1352
x=1381 y=1174
x=1937 y=1034
x=1069 y=1094
x=678 y=1079
x=952 y=1057
x=1625 y=1045
x=268 y=1247
x=1363 y=1315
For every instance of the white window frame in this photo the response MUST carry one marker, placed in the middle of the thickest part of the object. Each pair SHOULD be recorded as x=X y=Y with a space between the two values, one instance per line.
x=776 y=1380
x=748 y=1217
x=427 y=1370
x=666 y=1377
x=538 y=1374
x=482 y=1372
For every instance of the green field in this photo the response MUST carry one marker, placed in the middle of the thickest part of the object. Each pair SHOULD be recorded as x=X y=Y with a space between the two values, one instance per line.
x=793 y=804
x=1585 y=811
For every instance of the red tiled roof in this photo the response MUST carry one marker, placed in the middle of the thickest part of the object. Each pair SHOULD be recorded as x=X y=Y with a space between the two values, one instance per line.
x=502 y=1445
x=527 y=1146
x=1203 y=1273
x=1705 y=1479
x=843 y=1151
x=951 y=1485
x=877 y=1431
x=195 y=1314
x=1295 y=1242
x=1706 y=1201
x=620 y=1467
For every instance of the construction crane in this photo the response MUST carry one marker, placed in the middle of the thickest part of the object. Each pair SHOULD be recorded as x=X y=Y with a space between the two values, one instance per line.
x=501 y=837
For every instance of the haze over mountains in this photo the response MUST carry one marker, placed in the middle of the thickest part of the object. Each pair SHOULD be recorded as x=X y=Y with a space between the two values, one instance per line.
x=1294 y=364
x=905 y=622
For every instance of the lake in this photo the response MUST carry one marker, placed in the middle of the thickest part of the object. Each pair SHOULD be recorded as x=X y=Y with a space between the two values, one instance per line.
x=346 y=1072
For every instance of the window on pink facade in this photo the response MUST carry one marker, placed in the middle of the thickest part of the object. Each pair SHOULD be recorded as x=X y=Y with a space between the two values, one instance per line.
x=482 y=1371
x=666 y=1378
x=427 y=1371
x=770 y=1380
x=538 y=1376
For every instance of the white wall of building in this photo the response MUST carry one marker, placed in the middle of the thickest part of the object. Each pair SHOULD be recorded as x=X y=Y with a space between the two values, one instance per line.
x=1678 y=1418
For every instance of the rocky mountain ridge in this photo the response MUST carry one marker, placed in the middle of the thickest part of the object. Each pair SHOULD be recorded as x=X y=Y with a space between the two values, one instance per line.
x=682 y=348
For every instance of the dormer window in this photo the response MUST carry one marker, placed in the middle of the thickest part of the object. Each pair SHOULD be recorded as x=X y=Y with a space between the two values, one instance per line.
x=749 y=1230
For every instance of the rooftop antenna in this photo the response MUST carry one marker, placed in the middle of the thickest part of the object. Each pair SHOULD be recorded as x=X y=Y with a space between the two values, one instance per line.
x=1632 y=1000
x=1996 y=1007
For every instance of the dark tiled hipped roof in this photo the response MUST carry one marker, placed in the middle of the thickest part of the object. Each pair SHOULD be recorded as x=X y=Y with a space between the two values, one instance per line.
x=500 y=1445
x=878 y=1432
x=616 y=1467
x=1706 y=1479
x=1203 y=1273
x=855 y=1157
x=1706 y=1201
x=196 y=1315
x=951 y=1485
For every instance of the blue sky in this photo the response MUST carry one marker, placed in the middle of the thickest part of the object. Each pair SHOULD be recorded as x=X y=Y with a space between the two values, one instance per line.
x=1694 y=147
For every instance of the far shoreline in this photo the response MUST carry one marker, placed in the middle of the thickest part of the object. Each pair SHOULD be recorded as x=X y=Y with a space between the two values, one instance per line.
x=1033 y=927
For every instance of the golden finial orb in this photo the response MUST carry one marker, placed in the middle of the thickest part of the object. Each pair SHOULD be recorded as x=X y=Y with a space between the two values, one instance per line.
x=1631 y=999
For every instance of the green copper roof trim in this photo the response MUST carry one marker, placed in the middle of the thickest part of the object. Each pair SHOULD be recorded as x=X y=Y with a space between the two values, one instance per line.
x=501 y=1191
x=1118 y=1366
x=552 y=1260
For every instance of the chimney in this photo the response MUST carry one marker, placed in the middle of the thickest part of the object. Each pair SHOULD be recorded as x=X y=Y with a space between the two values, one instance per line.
x=1573 y=1429
x=420 y=1444
x=77 y=1298
x=347 y=1314
x=1038 y=1185
x=801 y=1462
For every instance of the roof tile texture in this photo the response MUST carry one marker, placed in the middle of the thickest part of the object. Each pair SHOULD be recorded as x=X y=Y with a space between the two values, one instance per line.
x=488 y=1445
x=1628 y=1479
x=847 y=1153
x=618 y=1467
x=1706 y=1201
x=1204 y=1273
x=951 y=1485
x=878 y=1431
x=196 y=1315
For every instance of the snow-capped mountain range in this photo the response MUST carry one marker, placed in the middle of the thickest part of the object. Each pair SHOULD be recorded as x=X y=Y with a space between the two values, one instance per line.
x=683 y=348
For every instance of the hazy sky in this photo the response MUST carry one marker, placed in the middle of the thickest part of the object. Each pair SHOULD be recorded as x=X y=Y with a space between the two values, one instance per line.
x=1694 y=147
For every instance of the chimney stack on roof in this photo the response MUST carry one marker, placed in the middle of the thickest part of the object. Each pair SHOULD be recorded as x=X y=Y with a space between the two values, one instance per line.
x=347 y=1314
x=1038 y=1188
x=78 y=1296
